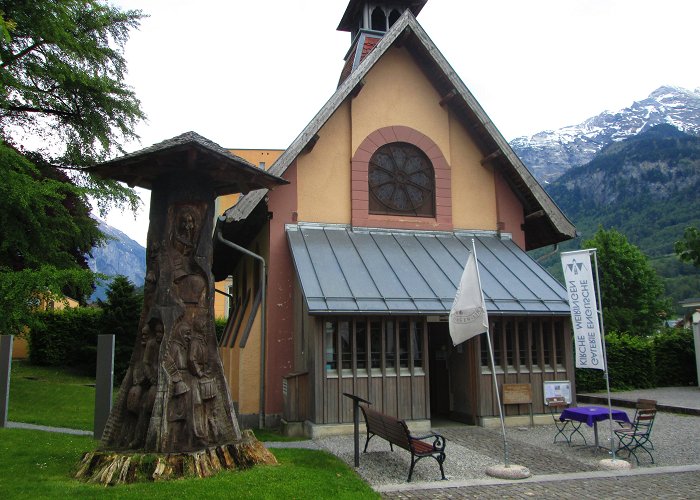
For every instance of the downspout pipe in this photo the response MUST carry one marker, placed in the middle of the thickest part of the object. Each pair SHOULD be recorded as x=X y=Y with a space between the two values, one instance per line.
x=549 y=254
x=263 y=327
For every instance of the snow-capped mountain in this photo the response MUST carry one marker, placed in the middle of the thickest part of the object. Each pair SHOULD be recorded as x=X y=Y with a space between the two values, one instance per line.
x=549 y=154
x=118 y=255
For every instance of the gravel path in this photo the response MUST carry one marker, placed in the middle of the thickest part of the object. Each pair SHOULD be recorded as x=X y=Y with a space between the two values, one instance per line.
x=471 y=449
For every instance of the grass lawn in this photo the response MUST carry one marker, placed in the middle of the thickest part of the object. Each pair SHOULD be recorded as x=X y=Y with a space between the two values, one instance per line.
x=37 y=464
x=52 y=396
x=47 y=395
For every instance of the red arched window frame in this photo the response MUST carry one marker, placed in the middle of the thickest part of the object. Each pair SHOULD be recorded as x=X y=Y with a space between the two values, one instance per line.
x=360 y=182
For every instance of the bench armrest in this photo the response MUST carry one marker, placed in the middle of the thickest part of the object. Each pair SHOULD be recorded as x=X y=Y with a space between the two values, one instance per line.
x=438 y=440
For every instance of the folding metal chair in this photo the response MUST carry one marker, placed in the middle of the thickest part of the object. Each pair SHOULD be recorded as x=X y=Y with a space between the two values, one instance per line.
x=556 y=405
x=639 y=435
x=646 y=404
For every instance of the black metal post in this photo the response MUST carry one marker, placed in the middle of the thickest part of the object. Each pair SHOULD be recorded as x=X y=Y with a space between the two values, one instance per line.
x=356 y=421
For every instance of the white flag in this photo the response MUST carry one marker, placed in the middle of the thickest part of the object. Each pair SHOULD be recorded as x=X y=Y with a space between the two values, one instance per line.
x=468 y=316
x=580 y=288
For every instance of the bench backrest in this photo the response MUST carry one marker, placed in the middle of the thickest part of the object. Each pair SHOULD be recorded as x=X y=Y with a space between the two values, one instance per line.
x=390 y=428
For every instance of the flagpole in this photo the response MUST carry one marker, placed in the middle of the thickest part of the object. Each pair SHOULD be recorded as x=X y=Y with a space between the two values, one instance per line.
x=493 y=366
x=605 y=355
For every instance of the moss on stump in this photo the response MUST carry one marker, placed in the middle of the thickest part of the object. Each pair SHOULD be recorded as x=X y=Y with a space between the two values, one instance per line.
x=112 y=467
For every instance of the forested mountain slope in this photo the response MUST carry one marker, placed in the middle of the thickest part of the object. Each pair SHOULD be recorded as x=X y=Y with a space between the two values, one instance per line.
x=648 y=188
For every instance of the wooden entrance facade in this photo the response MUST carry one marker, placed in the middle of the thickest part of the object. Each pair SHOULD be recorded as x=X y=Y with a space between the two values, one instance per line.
x=408 y=368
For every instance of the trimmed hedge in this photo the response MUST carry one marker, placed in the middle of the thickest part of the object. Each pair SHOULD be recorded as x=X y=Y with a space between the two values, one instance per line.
x=661 y=360
x=69 y=338
x=675 y=358
x=66 y=338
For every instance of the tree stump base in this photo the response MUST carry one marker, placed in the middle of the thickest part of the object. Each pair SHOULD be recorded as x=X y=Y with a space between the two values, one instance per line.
x=112 y=467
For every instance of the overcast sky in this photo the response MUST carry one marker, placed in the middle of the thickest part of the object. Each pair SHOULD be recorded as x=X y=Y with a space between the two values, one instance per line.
x=253 y=74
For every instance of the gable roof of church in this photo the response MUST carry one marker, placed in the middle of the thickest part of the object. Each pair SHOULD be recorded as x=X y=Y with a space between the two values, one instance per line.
x=545 y=224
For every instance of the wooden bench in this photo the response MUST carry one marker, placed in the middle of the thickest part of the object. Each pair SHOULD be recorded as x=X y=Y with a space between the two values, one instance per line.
x=396 y=432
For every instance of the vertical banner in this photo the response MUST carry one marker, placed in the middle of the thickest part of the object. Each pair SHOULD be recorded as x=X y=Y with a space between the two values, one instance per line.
x=580 y=288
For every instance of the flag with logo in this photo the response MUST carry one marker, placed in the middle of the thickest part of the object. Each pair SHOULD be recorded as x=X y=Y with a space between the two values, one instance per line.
x=468 y=317
x=580 y=289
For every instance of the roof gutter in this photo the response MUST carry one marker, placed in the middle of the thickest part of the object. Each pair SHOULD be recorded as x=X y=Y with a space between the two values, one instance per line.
x=263 y=302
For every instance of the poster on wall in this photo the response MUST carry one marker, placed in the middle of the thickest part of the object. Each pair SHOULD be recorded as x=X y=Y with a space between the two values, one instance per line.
x=557 y=388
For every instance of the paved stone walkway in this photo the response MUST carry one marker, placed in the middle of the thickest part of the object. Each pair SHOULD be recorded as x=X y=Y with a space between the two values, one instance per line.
x=563 y=478
x=659 y=483
x=538 y=460
x=34 y=427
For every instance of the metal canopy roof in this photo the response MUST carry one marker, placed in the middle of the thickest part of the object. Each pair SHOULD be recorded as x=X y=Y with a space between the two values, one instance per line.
x=351 y=270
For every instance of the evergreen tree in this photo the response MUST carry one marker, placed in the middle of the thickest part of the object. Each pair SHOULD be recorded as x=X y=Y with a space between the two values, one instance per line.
x=632 y=292
x=121 y=313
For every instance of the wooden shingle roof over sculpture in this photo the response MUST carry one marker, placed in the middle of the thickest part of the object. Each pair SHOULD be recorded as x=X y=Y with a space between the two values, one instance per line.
x=191 y=153
x=545 y=224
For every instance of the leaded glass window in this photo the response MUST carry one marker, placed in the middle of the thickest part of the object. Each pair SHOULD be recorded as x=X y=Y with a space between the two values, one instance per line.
x=401 y=181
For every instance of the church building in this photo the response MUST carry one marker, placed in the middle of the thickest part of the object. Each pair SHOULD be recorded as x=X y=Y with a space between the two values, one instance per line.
x=342 y=280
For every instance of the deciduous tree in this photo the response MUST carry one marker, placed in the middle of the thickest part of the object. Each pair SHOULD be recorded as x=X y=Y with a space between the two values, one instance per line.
x=688 y=248
x=63 y=73
x=62 y=88
x=632 y=292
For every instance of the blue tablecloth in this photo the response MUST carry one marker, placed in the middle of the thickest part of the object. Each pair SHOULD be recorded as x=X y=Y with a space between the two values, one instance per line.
x=592 y=414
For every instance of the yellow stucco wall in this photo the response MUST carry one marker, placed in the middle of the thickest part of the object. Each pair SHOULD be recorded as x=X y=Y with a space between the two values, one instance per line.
x=396 y=92
x=220 y=301
x=257 y=157
x=473 y=188
x=249 y=372
x=20 y=347
x=242 y=366
x=323 y=175
x=222 y=204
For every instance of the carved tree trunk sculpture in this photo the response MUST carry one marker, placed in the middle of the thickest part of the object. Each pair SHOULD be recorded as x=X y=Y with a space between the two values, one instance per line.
x=174 y=398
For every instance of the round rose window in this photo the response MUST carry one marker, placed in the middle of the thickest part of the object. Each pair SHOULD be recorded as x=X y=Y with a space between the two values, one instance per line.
x=401 y=181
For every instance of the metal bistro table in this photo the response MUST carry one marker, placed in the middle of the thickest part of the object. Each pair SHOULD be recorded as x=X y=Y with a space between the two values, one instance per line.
x=591 y=415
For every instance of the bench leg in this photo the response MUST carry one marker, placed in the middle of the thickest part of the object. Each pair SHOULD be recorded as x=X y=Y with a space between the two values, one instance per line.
x=410 y=470
x=367 y=441
x=440 y=458
x=370 y=437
